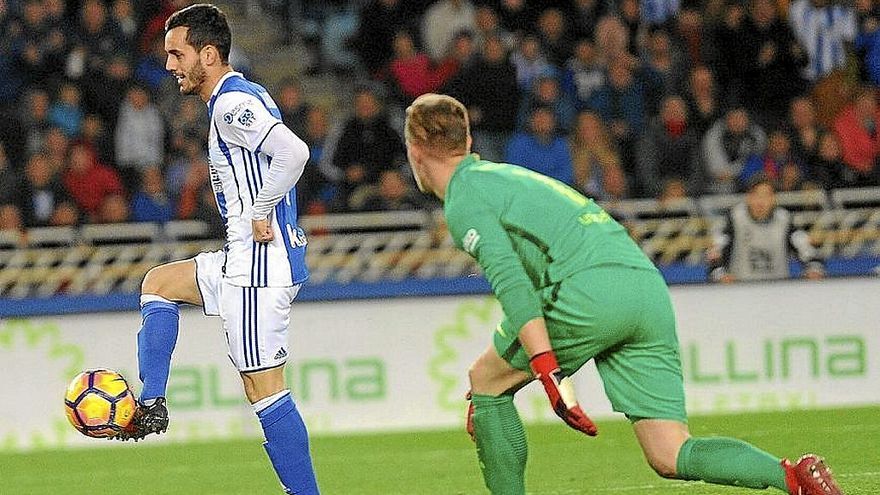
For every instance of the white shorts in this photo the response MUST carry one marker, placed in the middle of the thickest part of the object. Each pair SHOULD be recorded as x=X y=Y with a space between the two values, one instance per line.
x=255 y=319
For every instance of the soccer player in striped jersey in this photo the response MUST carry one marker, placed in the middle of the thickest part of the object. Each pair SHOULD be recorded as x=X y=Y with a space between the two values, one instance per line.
x=255 y=162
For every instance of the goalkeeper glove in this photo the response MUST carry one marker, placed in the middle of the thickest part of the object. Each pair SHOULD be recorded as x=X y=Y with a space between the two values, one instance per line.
x=560 y=391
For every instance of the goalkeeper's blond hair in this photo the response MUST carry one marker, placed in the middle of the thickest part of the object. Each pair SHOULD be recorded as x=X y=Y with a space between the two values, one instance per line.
x=439 y=124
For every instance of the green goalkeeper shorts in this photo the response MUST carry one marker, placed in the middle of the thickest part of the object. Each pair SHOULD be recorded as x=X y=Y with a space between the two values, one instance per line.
x=622 y=318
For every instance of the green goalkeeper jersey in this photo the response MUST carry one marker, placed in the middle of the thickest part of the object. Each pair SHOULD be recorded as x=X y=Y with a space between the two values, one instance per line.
x=528 y=232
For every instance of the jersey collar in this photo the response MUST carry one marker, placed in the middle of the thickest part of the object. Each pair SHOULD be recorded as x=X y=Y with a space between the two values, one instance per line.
x=464 y=163
x=220 y=82
x=468 y=160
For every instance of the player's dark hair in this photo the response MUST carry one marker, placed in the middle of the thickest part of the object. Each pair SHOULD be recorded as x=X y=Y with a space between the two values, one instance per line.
x=207 y=26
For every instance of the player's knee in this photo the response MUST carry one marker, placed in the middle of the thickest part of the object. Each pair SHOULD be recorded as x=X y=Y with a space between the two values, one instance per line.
x=475 y=376
x=663 y=467
x=259 y=385
x=494 y=377
x=152 y=281
x=482 y=379
x=485 y=380
x=157 y=281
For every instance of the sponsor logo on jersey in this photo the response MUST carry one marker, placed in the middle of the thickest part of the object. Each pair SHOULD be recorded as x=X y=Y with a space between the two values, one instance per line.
x=297 y=237
x=247 y=117
x=500 y=330
x=281 y=353
x=216 y=181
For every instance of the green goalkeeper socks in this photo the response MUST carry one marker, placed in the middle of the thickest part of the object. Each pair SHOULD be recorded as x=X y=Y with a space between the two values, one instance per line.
x=728 y=461
x=501 y=444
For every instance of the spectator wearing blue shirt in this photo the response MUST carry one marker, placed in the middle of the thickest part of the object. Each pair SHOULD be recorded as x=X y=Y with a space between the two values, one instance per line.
x=314 y=190
x=150 y=68
x=621 y=101
x=546 y=93
x=66 y=112
x=151 y=203
x=583 y=75
x=868 y=46
x=543 y=149
x=621 y=104
x=530 y=63
x=777 y=164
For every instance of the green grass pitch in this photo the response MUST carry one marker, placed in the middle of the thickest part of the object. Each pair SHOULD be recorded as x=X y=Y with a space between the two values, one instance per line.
x=561 y=461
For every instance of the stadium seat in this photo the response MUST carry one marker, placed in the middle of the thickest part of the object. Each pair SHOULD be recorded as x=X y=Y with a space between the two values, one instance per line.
x=719 y=204
x=361 y=222
x=181 y=230
x=808 y=200
x=866 y=197
x=120 y=233
x=51 y=236
x=651 y=208
x=9 y=239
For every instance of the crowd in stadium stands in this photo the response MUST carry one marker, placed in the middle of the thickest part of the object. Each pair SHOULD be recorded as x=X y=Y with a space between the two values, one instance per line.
x=618 y=98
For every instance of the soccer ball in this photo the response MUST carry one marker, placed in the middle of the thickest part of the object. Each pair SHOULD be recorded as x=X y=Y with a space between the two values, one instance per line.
x=99 y=403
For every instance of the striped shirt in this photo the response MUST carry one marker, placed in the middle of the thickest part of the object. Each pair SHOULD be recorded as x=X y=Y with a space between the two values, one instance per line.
x=241 y=114
x=823 y=32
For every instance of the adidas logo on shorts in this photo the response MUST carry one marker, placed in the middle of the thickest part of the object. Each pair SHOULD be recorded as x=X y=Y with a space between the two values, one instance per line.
x=281 y=353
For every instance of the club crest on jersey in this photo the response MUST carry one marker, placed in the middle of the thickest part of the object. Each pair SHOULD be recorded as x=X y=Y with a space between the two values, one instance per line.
x=470 y=240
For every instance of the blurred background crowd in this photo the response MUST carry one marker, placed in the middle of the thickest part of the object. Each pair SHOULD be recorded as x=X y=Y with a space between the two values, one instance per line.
x=619 y=98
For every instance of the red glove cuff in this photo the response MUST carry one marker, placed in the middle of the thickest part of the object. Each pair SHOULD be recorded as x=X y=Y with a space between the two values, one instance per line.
x=544 y=363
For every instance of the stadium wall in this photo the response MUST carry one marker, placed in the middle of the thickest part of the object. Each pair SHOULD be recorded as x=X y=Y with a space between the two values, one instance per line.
x=400 y=364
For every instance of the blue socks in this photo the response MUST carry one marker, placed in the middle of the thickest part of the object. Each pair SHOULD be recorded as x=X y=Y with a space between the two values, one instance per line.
x=156 y=341
x=287 y=443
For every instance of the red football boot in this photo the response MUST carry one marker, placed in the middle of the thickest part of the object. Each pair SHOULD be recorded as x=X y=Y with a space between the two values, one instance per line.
x=791 y=480
x=810 y=476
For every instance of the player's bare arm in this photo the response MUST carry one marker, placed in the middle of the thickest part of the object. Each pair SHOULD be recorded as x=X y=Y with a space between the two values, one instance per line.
x=533 y=337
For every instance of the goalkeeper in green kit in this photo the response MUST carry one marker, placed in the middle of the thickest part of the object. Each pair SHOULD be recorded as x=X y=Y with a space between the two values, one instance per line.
x=573 y=287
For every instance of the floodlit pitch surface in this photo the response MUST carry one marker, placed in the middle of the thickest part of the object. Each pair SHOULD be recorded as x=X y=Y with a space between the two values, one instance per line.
x=561 y=461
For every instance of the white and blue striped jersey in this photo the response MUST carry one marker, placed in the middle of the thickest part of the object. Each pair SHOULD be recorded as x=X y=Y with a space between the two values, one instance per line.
x=241 y=115
x=823 y=32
